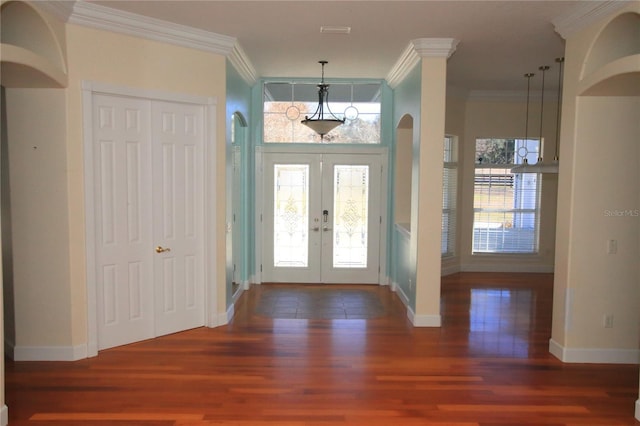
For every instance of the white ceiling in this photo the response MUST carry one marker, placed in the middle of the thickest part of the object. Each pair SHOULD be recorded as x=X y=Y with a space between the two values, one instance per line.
x=499 y=40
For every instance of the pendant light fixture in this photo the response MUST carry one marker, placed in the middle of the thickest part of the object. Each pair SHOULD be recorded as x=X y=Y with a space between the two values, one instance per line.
x=541 y=166
x=522 y=168
x=318 y=122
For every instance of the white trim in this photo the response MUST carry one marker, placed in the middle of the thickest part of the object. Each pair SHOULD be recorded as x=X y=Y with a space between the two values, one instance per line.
x=507 y=266
x=231 y=311
x=223 y=317
x=395 y=287
x=427 y=320
x=89 y=88
x=594 y=355
x=449 y=269
x=117 y=21
x=50 y=353
x=4 y=416
x=405 y=63
x=435 y=47
x=584 y=14
x=242 y=64
x=419 y=48
x=638 y=409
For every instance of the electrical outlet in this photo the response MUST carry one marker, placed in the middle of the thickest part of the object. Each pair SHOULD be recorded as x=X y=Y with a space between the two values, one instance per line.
x=608 y=321
x=410 y=284
x=612 y=246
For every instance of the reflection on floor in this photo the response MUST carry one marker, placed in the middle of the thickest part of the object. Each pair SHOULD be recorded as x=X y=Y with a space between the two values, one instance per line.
x=489 y=364
x=320 y=302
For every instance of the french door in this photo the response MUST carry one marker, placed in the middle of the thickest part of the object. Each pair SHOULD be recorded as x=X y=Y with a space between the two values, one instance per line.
x=321 y=220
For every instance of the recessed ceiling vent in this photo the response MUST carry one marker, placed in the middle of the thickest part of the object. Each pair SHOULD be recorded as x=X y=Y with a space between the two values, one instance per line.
x=332 y=29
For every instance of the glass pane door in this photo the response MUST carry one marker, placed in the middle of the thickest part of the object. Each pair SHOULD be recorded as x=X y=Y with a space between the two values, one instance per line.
x=321 y=221
x=291 y=215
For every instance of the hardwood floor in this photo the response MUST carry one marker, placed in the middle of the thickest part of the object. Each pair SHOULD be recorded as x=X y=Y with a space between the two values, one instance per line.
x=488 y=364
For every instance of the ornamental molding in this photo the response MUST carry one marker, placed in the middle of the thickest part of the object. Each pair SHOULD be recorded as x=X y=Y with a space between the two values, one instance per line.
x=415 y=51
x=105 y=18
x=584 y=14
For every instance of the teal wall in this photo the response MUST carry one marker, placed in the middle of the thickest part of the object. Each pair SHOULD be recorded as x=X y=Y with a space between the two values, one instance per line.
x=406 y=101
x=238 y=108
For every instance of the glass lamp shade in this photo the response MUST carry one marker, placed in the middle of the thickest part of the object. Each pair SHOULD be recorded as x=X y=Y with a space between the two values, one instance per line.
x=322 y=126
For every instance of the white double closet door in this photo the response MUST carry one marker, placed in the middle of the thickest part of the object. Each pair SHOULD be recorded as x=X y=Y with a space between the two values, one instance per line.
x=322 y=217
x=148 y=169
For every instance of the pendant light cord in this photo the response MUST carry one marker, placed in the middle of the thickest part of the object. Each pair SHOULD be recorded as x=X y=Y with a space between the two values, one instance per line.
x=543 y=68
x=560 y=62
x=526 y=120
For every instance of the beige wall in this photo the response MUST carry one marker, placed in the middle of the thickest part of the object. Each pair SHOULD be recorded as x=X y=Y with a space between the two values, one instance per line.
x=429 y=187
x=46 y=164
x=599 y=198
x=40 y=236
x=128 y=61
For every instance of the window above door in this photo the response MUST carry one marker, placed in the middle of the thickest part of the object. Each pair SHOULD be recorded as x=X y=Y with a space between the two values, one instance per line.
x=285 y=105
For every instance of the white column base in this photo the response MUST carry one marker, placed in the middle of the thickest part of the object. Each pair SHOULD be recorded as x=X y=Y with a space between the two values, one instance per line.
x=4 y=415
x=638 y=409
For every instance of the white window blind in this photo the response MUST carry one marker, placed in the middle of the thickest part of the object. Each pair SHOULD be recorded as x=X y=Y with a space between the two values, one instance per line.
x=506 y=205
x=449 y=196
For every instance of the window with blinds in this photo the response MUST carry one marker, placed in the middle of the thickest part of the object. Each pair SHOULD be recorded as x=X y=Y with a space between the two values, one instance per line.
x=505 y=204
x=449 y=196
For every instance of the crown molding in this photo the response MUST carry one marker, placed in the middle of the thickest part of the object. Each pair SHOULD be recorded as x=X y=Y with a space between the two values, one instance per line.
x=58 y=8
x=416 y=50
x=435 y=47
x=240 y=61
x=584 y=14
x=105 y=18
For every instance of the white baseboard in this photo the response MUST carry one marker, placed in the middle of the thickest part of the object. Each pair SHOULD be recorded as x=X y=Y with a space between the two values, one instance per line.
x=638 y=409
x=401 y=294
x=231 y=311
x=50 y=353
x=594 y=355
x=427 y=320
x=506 y=267
x=4 y=416
x=449 y=269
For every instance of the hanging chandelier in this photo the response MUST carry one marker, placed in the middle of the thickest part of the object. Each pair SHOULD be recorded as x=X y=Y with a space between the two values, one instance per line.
x=318 y=122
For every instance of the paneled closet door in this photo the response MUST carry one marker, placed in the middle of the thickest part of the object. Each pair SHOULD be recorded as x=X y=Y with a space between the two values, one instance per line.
x=149 y=217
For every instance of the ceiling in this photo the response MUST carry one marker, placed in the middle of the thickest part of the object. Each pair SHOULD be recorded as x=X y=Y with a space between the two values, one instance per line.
x=499 y=41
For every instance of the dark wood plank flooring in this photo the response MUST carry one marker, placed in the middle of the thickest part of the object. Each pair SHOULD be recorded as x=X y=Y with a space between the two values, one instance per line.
x=487 y=365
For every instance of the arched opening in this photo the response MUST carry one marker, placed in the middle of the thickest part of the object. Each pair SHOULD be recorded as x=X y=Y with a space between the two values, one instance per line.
x=403 y=171
x=238 y=204
x=31 y=53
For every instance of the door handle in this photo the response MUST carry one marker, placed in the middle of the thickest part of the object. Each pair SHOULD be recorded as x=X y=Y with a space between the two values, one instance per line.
x=315 y=228
x=326 y=228
x=161 y=249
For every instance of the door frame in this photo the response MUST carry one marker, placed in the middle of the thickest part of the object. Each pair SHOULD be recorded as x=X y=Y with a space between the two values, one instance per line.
x=89 y=88
x=321 y=149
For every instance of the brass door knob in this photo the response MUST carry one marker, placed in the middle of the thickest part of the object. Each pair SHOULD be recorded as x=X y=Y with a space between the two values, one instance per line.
x=161 y=249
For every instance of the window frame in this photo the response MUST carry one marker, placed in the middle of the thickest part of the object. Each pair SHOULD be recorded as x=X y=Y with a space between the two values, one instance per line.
x=517 y=179
x=449 y=196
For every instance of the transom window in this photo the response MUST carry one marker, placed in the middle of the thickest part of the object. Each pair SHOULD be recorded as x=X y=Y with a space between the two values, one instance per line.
x=505 y=204
x=285 y=105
